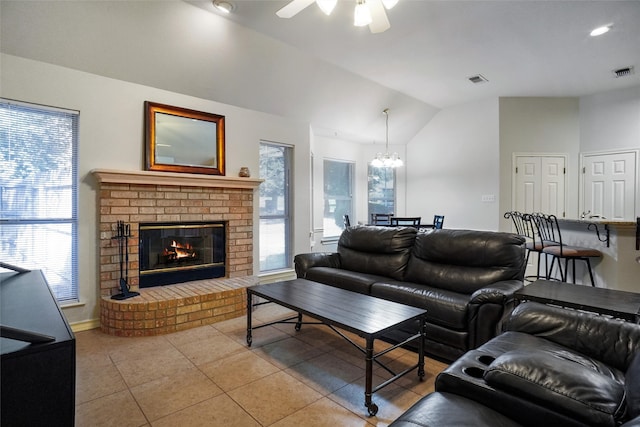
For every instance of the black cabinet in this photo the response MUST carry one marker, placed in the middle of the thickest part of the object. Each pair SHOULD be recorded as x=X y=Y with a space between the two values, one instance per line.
x=37 y=379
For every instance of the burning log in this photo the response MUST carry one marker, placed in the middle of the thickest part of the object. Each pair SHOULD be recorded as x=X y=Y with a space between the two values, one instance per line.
x=177 y=251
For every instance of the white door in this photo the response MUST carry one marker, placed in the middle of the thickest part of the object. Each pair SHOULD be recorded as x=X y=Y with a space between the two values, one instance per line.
x=539 y=187
x=609 y=187
x=540 y=184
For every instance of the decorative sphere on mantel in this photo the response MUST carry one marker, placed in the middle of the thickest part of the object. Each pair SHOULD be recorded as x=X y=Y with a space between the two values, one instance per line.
x=244 y=172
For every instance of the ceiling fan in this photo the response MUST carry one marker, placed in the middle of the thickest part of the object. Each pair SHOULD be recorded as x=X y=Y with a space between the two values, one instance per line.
x=367 y=12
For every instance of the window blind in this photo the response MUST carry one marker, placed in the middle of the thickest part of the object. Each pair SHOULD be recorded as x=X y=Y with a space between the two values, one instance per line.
x=38 y=192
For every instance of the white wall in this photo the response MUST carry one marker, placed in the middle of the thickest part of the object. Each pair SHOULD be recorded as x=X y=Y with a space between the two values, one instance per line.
x=112 y=137
x=538 y=125
x=452 y=163
x=610 y=120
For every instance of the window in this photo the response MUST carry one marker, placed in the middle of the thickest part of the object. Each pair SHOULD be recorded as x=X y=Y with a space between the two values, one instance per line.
x=275 y=206
x=338 y=195
x=38 y=193
x=382 y=190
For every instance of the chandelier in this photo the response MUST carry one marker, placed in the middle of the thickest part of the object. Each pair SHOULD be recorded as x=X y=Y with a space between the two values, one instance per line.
x=386 y=160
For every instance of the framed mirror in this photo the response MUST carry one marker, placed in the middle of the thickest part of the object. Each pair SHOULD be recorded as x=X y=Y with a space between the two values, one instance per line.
x=183 y=140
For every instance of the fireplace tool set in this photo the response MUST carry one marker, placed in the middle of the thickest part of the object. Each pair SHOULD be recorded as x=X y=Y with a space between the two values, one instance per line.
x=123 y=233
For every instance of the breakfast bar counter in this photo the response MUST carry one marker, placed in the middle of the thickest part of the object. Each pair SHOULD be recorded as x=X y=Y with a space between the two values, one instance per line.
x=619 y=267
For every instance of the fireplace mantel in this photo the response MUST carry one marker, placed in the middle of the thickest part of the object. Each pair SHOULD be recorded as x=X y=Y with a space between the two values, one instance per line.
x=172 y=178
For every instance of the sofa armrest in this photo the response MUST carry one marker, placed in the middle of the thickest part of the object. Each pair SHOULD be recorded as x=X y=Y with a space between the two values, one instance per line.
x=563 y=385
x=611 y=341
x=303 y=262
x=498 y=292
x=487 y=308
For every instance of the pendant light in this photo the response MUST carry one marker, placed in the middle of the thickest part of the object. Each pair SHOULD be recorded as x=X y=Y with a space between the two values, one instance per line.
x=386 y=160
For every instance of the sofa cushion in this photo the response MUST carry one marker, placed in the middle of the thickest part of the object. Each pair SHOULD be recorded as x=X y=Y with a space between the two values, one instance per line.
x=464 y=260
x=559 y=383
x=445 y=308
x=519 y=341
x=381 y=251
x=611 y=341
x=345 y=279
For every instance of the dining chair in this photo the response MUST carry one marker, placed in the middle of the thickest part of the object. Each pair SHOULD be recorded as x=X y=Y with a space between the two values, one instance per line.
x=551 y=230
x=409 y=220
x=438 y=223
x=381 y=218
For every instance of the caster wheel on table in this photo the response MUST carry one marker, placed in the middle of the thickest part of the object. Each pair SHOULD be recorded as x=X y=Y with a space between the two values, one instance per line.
x=298 y=326
x=249 y=341
x=373 y=409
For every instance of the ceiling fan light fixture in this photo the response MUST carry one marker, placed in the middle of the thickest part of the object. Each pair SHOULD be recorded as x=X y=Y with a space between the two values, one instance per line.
x=361 y=14
x=388 y=4
x=327 y=6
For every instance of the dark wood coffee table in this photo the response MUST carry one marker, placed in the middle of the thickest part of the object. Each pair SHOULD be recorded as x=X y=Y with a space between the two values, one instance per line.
x=367 y=316
x=611 y=302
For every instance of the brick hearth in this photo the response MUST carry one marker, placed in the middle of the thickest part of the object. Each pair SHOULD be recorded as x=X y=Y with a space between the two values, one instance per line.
x=141 y=196
x=165 y=309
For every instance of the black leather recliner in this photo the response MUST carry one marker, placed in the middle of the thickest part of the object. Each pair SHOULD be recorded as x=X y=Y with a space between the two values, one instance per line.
x=552 y=366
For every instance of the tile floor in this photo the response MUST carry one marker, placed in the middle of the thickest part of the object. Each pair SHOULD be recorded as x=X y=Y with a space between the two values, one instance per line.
x=207 y=376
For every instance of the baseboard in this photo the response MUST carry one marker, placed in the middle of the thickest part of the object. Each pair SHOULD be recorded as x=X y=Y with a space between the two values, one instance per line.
x=85 y=325
x=276 y=276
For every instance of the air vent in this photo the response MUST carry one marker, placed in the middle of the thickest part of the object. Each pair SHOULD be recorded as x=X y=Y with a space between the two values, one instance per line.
x=622 y=72
x=479 y=78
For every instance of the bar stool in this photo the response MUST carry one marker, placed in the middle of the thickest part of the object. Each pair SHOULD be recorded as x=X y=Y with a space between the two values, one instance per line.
x=566 y=252
x=526 y=226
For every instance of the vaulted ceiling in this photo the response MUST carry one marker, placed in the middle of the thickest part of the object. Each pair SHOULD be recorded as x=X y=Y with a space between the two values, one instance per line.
x=322 y=70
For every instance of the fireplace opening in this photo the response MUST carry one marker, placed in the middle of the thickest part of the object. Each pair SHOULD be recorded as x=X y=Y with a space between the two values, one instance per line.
x=181 y=252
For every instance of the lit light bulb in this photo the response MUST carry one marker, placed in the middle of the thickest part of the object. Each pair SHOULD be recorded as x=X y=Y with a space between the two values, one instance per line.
x=362 y=14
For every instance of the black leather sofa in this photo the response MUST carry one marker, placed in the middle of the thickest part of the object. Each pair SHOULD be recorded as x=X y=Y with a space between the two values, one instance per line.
x=465 y=279
x=551 y=367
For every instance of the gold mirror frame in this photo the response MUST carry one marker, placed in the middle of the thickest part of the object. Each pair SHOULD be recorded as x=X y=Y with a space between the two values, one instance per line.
x=183 y=140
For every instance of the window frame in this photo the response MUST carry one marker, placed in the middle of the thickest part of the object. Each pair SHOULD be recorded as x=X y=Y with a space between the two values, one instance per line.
x=286 y=216
x=351 y=198
x=68 y=294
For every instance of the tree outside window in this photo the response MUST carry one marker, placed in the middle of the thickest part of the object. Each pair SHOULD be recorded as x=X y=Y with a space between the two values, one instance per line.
x=338 y=195
x=381 y=190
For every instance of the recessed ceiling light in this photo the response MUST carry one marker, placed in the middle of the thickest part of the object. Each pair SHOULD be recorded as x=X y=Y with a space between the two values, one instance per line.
x=600 y=30
x=223 y=6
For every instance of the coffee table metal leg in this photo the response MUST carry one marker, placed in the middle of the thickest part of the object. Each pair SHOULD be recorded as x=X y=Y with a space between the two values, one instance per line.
x=249 y=309
x=299 y=322
x=372 y=407
x=421 y=346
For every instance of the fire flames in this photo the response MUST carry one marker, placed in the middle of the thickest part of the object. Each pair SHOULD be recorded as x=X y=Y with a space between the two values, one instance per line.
x=178 y=251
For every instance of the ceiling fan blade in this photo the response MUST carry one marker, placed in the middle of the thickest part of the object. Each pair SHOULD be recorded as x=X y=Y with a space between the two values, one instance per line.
x=292 y=8
x=379 y=20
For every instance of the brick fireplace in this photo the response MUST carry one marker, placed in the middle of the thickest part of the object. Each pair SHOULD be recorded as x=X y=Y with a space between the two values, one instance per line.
x=144 y=197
